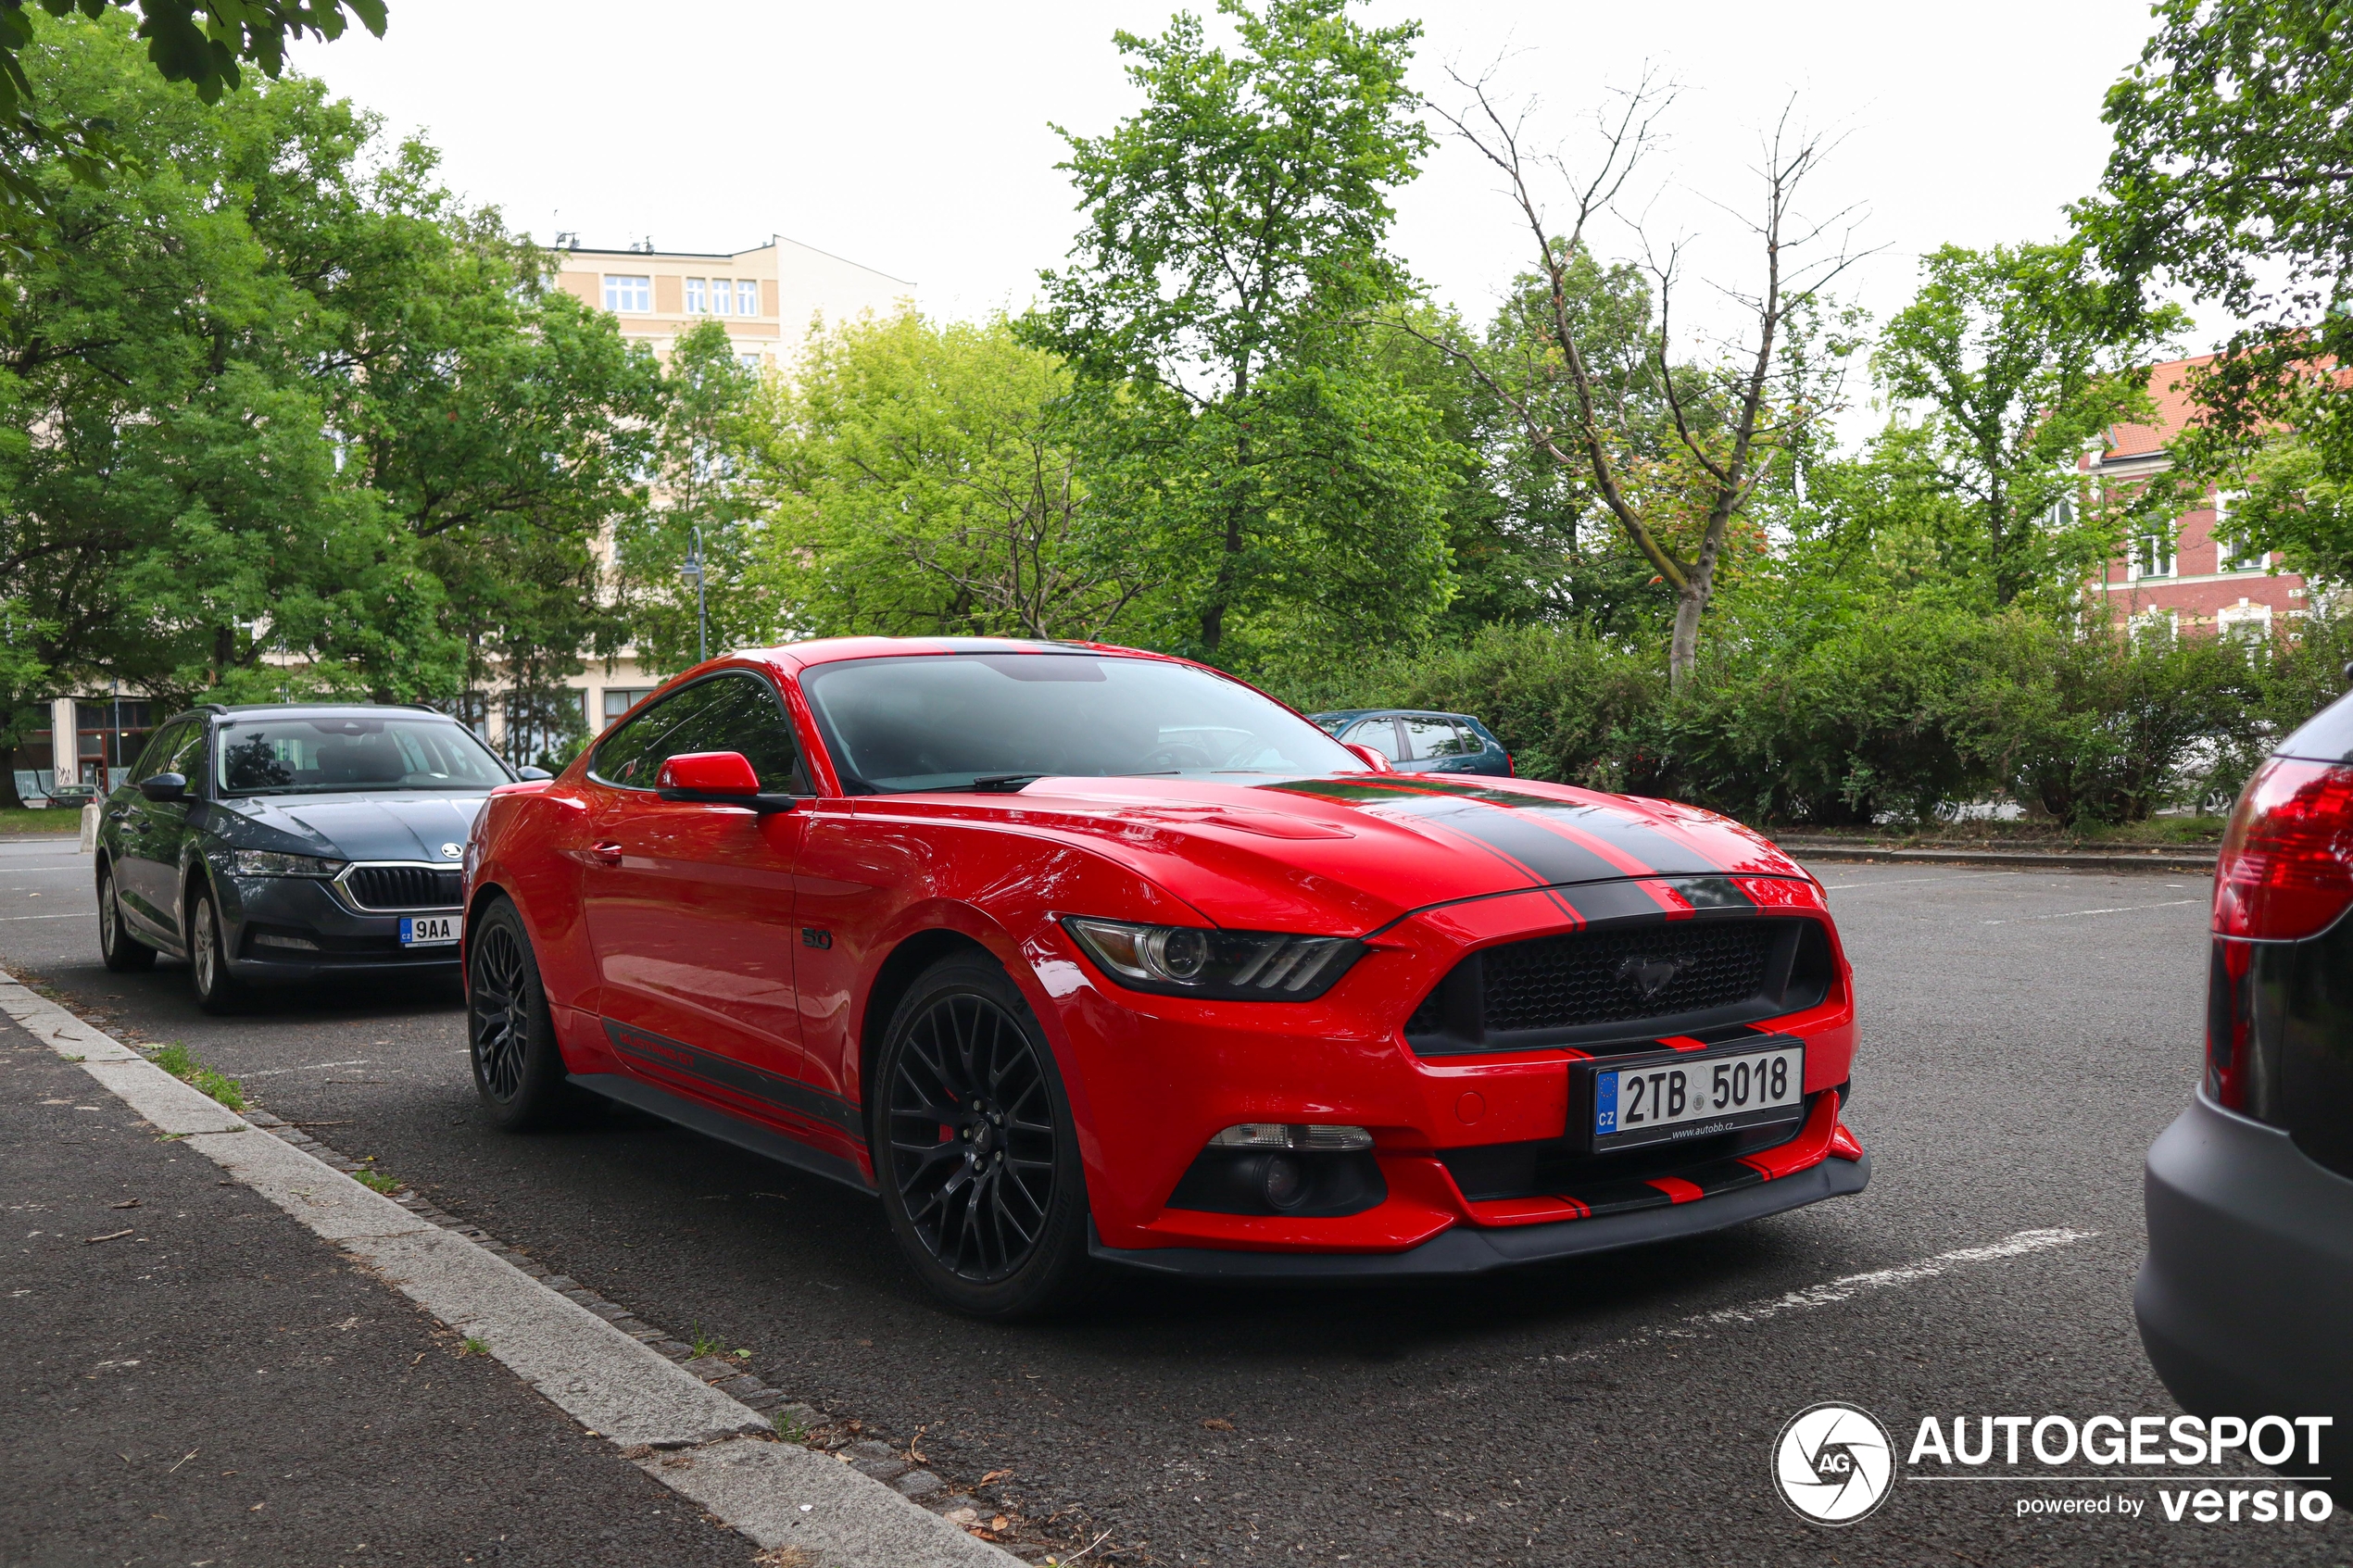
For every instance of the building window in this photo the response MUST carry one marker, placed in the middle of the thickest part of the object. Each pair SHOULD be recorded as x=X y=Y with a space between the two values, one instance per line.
x=696 y=296
x=2154 y=626
x=2152 y=556
x=2232 y=551
x=628 y=293
x=723 y=296
x=2245 y=622
x=747 y=296
x=621 y=699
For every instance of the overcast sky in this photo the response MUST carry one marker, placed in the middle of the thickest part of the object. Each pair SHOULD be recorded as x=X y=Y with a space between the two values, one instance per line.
x=914 y=138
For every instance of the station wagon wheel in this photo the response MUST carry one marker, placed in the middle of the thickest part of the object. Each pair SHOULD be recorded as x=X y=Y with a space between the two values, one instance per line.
x=116 y=945
x=217 y=991
x=974 y=1149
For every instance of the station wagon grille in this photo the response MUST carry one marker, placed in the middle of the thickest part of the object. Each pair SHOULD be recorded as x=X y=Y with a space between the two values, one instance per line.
x=1594 y=977
x=404 y=888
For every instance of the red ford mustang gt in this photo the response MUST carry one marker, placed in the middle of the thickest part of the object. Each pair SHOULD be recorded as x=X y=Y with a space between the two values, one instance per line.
x=1079 y=955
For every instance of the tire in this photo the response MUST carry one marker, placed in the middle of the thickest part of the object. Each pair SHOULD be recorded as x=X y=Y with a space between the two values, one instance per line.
x=975 y=1148
x=519 y=1070
x=217 y=991
x=124 y=954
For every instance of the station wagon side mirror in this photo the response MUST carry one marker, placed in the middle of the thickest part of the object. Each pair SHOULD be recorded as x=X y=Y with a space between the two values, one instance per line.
x=165 y=786
x=1370 y=758
x=530 y=775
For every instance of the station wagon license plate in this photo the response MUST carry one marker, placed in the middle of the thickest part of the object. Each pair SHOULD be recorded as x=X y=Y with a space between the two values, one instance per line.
x=430 y=931
x=1668 y=1097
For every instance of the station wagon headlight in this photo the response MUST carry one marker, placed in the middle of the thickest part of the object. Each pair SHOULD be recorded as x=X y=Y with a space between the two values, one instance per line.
x=269 y=862
x=1233 y=965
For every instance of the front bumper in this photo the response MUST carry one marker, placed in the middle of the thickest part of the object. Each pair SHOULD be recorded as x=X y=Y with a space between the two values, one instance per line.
x=349 y=942
x=1477 y=1251
x=2241 y=1301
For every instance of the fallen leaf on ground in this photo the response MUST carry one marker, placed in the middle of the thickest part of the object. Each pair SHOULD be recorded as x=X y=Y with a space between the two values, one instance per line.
x=111 y=1236
x=126 y=1203
x=1218 y=1423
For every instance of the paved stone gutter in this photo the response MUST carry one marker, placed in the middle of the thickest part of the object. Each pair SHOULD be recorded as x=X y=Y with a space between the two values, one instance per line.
x=2183 y=857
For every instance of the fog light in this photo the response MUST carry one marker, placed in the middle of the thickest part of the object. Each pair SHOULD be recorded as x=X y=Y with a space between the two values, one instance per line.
x=301 y=944
x=1282 y=1182
x=1306 y=1136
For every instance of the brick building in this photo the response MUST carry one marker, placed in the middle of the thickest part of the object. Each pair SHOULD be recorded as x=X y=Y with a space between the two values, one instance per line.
x=2192 y=574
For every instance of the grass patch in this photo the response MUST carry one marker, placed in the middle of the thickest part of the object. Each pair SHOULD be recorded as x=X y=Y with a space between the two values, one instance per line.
x=789 y=1428
x=51 y=820
x=474 y=1347
x=182 y=1063
x=378 y=1181
x=706 y=1345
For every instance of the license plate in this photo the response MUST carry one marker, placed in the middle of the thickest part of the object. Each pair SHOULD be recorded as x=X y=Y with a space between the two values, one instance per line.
x=430 y=931
x=1664 y=1097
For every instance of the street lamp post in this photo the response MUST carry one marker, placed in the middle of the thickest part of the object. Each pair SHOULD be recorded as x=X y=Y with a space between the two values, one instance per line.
x=694 y=568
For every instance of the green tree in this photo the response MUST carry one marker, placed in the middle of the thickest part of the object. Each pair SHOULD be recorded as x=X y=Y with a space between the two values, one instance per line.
x=2019 y=367
x=707 y=485
x=2232 y=178
x=203 y=43
x=921 y=488
x=1279 y=486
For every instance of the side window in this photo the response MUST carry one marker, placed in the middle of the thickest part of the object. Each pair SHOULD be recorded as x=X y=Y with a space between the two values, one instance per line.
x=732 y=712
x=186 y=753
x=152 y=761
x=1435 y=739
x=1378 y=734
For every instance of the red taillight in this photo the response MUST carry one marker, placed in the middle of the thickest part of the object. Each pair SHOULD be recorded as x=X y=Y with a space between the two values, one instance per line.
x=2287 y=866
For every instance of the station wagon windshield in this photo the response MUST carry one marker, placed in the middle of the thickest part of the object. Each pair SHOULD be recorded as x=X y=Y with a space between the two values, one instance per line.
x=995 y=721
x=334 y=755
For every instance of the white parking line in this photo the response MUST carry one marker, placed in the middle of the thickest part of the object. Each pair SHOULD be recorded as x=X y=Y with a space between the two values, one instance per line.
x=2120 y=909
x=313 y=1067
x=77 y=914
x=1847 y=1287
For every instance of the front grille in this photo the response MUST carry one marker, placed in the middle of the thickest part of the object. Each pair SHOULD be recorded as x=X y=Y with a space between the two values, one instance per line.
x=1588 y=977
x=403 y=887
x=1625 y=983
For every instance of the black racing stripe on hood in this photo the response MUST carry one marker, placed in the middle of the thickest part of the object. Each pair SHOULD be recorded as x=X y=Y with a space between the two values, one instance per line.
x=1656 y=850
x=1544 y=855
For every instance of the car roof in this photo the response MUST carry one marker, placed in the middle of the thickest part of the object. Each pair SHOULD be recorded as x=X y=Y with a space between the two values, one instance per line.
x=834 y=650
x=314 y=710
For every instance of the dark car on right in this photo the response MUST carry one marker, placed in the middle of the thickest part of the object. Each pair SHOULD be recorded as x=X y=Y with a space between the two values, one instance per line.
x=2245 y=1298
x=1419 y=742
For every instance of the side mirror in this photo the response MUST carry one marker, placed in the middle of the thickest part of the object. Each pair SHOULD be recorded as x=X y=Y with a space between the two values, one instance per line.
x=716 y=778
x=709 y=772
x=1370 y=758
x=165 y=786
x=528 y=774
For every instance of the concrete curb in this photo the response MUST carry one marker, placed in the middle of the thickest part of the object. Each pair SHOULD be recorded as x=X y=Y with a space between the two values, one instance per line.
x=2198 y=861
x=694 y=1439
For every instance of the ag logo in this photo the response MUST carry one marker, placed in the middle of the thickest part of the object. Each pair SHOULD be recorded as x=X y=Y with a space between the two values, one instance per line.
x=1834 y=1464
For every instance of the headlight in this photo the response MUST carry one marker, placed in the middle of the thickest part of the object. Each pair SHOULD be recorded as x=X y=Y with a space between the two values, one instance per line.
x=268 y=862
x=1188 y=960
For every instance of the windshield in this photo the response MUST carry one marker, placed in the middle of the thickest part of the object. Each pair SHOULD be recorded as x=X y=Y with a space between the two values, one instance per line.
x=314 y=755
x=995 y=720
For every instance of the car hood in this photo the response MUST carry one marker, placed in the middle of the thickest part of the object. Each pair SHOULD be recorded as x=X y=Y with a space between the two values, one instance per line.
x=405 y=825
x=1351 y=852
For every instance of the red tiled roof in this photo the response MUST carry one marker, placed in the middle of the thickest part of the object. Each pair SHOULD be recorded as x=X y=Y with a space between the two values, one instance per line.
x=2169 y=386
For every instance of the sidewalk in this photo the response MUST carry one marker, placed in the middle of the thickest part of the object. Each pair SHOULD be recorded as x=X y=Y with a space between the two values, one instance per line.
x=215 y=1383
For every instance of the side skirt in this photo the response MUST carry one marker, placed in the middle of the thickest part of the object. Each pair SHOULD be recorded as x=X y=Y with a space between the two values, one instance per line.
x=699 y=1118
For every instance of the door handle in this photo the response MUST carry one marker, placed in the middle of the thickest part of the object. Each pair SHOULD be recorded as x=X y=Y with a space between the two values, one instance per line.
x=607 y=854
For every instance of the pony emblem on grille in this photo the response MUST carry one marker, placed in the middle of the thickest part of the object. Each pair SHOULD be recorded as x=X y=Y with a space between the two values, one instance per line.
x=1649 y=976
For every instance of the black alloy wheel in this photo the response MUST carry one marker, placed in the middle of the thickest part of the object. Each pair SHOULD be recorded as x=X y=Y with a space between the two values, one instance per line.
x=976 y=1155
x=121 y=951
x=217 y=991
x=519 y=1070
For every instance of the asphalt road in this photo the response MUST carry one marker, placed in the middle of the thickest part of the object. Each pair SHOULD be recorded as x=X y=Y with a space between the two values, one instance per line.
x=2025 y=1036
